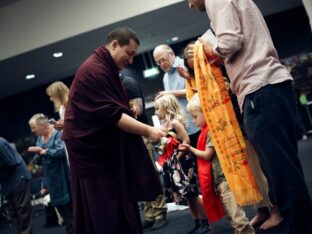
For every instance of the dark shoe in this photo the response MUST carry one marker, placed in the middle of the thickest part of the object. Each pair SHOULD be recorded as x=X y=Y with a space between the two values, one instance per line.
x=50 y=225
x=160 y=223
x=168 y=200
x=147 y=224
x=193 y=230
x=182 y=203
x=203 y=230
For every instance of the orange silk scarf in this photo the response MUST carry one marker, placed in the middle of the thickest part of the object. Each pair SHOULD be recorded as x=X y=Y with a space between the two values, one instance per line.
x=224 y=129
x=190 y=85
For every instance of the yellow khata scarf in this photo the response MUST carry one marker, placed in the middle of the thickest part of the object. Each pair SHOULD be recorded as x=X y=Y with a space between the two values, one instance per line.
x=224 y=129
x=189 y=88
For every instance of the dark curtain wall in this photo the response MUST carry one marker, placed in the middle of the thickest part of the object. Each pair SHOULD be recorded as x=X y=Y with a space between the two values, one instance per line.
x=290 y=32
x=17 y=110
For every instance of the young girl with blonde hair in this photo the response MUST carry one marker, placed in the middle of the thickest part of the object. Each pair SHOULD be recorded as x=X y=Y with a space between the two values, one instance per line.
x=179 y=167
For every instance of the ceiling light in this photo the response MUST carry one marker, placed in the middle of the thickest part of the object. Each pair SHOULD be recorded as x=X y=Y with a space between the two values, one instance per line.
x=174 y=38
x=57 y=54
x=30 y=76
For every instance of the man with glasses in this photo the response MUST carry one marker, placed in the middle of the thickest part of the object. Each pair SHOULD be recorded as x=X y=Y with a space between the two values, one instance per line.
x=174 y=84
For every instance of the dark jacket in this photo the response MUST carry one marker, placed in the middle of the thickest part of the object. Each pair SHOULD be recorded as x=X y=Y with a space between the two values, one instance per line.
x=12 y=167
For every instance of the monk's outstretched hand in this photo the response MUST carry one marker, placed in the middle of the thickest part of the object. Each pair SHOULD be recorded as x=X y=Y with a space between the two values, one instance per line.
x=155 y=134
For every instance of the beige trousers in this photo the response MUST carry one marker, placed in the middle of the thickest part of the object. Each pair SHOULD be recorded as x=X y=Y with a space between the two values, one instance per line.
x=261 y=180
x=156 y=209
x=233 y=212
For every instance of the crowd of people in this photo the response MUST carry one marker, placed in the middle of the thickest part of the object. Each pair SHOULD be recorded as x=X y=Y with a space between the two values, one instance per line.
x=98 y=158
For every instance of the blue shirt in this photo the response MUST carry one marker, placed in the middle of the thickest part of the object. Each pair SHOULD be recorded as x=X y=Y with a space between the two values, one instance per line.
x=12 y=168
x=173 y=81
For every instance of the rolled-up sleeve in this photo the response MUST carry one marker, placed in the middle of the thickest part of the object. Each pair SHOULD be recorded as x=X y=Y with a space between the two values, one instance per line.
x=226 y=25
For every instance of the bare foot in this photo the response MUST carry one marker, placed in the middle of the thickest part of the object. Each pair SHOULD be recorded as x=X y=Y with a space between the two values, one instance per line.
x=274 y=220
x=259 y=218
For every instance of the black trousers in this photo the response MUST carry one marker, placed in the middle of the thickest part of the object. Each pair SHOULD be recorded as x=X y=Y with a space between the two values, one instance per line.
x=20 y=201
x=66 y=212
x=269 y=120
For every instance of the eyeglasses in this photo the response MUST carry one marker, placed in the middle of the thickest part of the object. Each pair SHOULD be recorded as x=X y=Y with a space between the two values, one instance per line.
x=160 y=61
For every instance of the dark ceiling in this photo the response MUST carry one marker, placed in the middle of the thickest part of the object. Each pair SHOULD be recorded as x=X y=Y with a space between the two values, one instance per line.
x=153 y=28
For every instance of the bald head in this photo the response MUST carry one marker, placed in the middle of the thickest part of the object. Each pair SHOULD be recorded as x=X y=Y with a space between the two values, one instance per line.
x=164 y=57
x=162 y=48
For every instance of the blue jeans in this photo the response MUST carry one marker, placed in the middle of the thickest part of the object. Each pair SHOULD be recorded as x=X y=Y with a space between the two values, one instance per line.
x=269 y=121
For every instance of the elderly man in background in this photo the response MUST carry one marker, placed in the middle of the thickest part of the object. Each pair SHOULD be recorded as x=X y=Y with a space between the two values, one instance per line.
x=174 y=84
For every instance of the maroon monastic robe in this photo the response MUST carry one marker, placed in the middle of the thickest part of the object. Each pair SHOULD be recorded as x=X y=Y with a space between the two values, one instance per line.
x=110 y=169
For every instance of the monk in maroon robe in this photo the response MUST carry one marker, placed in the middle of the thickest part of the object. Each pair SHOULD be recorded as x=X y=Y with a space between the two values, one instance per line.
x=109 y=163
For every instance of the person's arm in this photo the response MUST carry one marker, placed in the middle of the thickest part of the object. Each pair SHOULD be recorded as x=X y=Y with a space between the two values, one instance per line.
x=137 y=108
x=55 y=152
x=59 y=125
x=207 y=154
x=181 y=134
x=183 y=72
x=36 y=150
x=177 y=93
x=58 y=149
x=227 y=27
x=228 y=32
x=131 y=125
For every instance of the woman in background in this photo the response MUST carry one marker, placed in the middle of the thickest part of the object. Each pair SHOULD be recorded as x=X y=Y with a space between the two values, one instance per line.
x=58 y=93
x=50 y=147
